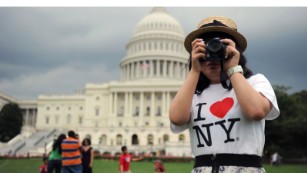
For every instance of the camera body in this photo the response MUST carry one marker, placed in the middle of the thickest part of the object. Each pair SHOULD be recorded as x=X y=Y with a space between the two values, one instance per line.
x=215 y=50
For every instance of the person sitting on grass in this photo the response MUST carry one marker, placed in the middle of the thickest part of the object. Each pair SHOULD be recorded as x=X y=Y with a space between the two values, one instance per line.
x=159 y=167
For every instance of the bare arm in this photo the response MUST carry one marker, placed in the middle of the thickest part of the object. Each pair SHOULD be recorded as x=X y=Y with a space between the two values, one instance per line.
x=137 y=159
x=253 y=104
x=121 y=168
x=92 y=158
x=179 y=111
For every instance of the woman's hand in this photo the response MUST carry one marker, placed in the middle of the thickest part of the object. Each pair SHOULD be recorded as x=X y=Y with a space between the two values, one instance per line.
x=232 y=54
x=198 y=52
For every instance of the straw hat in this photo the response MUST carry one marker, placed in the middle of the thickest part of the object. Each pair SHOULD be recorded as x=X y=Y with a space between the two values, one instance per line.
x=216 y=24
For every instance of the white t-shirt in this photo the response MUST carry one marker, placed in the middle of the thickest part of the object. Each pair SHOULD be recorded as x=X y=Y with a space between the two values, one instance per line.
x=217 y=124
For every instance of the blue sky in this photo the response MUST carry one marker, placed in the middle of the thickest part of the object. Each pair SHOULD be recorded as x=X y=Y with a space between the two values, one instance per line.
x=45 y=50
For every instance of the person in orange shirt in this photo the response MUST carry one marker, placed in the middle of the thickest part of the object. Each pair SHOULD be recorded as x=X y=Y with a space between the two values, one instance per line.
x=71 y=155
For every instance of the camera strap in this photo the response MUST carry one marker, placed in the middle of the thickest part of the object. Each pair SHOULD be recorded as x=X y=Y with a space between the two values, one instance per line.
x=224 y=77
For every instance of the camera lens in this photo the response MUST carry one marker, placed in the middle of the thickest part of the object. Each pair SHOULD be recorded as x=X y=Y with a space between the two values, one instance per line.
x=214 y=45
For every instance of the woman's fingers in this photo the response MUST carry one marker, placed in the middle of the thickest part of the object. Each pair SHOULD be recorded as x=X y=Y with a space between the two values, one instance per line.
x=198 y=48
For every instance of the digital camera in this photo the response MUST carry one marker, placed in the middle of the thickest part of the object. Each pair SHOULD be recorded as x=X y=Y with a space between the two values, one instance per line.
x=215 y=50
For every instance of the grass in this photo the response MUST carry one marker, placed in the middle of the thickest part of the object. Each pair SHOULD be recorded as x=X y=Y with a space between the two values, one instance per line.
x=105 y=166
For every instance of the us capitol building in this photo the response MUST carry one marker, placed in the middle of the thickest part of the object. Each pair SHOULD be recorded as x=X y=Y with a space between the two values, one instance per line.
x=132 y=111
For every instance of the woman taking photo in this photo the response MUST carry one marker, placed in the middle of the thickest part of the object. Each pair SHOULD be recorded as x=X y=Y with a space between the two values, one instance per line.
x=221 y=102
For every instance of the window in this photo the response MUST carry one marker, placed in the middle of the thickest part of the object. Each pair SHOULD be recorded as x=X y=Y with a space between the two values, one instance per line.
x=137 y=97
x=119 y=139
x=68 y=120
x=137 y=111
x=160 y=124
x=158 y=111
x=103 y=140
x=181 y=138
x=135 y=139
x=150 y=139
x=165 y=138
x=47 y=120
x=121 y=111
x=97 y=111
x=80 y=120
x=148 y=110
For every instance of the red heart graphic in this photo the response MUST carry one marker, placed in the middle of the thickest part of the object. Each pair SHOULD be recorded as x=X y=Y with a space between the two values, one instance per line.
x=220 y=108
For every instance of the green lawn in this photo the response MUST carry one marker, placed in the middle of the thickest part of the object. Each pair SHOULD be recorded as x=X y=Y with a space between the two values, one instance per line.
x=104 y=166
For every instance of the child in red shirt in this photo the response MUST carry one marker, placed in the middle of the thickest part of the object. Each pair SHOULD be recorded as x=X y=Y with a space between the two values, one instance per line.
x=43 y=167
x=125 y=160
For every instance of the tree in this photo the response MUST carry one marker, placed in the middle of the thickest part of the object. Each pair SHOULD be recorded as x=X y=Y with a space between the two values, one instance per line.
x=10 y=121
x=288 y=133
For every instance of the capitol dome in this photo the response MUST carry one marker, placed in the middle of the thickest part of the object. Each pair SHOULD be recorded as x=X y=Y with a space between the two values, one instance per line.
x=159 y=21
x=155 y=51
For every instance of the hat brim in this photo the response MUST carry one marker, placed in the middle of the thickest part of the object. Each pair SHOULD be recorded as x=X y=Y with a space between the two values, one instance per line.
x=240 y=39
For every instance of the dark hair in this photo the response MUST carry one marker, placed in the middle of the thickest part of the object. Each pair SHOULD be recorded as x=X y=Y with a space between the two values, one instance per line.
x=204 y=82
x=124 y=148
x=57 y=143
x=88 y=141
x=45 y=158
x=71 y=134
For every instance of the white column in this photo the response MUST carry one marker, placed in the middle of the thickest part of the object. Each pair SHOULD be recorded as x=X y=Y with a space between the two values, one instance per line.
x=151 y=66
x=164 y=67
x=115 y=103
x=130 y=103
x=152 y=104
x=111 y=103
x=181 y=70
x=35 y=116
x=168 y=101
x=142 y=104
x=163 y=103
x=126 y=104
x=144 y=70
x=178 y=70
x=171 y=69
x=137 y=69
x=158 y=68
x=132 y=70
x=125 y=72
x=27 y=117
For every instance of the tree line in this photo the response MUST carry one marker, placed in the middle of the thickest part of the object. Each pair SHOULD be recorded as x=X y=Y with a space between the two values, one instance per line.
x=288 y=133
